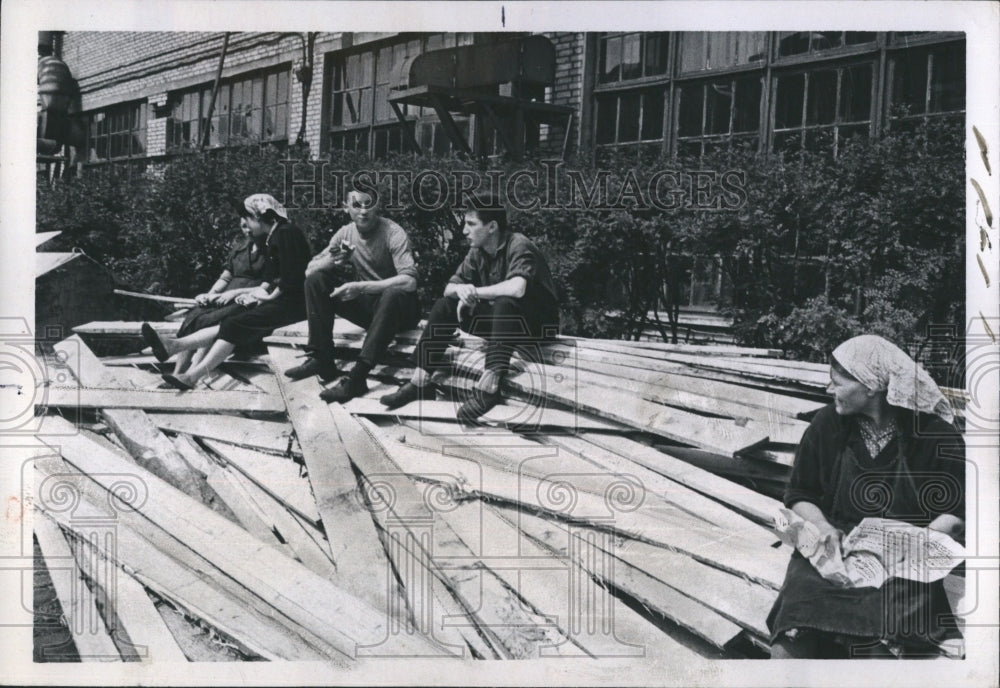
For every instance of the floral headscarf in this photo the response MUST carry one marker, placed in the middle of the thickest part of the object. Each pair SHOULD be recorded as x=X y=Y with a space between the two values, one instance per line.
x=258 y=204
x=880 y=365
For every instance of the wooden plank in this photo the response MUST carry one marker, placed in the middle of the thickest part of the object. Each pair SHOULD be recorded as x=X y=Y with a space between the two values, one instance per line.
x=177 y=574
x=523 y=633
x=666 y=527
x=763 y=509
x=651 y=348
x=734 y=598
x=230 y=492
x=596 y=620
x=310 y=601
x=150 y=448
x=304 y=546
x=650 y=592
x=671 y=387
x=785 y=430
x=277 y=476
x=124 y=327
x=582 y=466
x=134 y=614
x=79 y=607
x=354 y=544
x=160 y=400
x=669 y=490
x=513 y=412
x=726 y=437
x=267 y=435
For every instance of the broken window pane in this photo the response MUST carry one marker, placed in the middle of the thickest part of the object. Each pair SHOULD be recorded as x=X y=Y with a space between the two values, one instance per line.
x=652 y=114
x=628 y=118
x=822 y=101
x=718 y=102
x=690 y=110
x=856 y=94
x=788 y=104
x=611 y=57
x=746 y=116
x=631 y=65
x=909 y=82
x=948 y=80
x=607 y=112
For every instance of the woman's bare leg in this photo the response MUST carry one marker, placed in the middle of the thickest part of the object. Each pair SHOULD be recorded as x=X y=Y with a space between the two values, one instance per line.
x=218 y=353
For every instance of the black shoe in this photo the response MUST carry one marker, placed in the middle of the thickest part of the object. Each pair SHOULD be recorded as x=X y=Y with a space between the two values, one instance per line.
x=176 y=383
x=313 y=366
x=408 y=393
x=477 y=404
x=155 y=343
x=345 y=390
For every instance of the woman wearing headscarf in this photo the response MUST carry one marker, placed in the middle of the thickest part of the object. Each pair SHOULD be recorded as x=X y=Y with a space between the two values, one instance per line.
x=886 y=447
x=243 y=271
x=278 y=301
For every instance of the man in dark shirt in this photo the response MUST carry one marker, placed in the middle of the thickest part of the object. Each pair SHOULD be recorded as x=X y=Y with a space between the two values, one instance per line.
x=503 y=292
x=368 y=275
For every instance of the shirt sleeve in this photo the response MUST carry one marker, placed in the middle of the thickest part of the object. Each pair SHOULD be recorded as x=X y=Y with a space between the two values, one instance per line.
x=402 y=255
x=466 y=272
x=291 y=256
x=806 y=482
x=521 y=261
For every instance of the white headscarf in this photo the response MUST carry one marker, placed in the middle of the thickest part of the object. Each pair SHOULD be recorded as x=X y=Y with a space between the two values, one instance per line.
x=880 y=365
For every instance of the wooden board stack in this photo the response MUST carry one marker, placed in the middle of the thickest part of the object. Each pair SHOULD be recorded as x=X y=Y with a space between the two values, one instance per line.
x=618 y=504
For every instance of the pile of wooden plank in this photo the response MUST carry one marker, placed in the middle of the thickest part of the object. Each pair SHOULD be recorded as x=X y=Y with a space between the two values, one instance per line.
x=620 y=503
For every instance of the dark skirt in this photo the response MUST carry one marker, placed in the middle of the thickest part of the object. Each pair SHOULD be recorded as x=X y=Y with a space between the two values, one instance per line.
x=908 y=613
x=256 y=322
x=200 y=317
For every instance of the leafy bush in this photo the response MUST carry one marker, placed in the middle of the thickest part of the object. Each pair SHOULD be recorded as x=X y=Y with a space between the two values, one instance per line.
x=814 y=250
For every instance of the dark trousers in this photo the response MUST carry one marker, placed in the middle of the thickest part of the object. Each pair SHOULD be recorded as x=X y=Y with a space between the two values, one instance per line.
x=383 y=315
x=506 y=324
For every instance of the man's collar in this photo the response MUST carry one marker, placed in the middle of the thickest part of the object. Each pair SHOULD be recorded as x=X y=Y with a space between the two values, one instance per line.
x=500 y=246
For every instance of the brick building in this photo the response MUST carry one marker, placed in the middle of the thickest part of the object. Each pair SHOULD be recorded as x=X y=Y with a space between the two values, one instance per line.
x=148 y=95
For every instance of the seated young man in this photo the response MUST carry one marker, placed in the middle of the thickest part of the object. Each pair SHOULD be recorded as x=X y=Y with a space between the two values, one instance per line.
x=503 y=292
x=368 y=275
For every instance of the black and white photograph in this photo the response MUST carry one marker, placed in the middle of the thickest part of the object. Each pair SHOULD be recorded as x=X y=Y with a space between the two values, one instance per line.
x=500 y=343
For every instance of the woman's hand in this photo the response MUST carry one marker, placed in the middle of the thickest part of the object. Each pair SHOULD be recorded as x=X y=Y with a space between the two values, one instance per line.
x=205 y=299
x=225 y=297
x=252 y=298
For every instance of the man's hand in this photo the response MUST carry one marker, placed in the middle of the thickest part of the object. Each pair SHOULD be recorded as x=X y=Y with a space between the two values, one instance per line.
x=467 y=294
x=348 y=291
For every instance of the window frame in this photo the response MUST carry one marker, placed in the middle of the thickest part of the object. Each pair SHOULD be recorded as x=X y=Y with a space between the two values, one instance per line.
x=135 y=110
x=365 y=133
x=841 y=66
x=202 y=93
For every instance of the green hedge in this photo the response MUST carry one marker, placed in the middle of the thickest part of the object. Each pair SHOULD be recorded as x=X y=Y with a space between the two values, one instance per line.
x=814 y=249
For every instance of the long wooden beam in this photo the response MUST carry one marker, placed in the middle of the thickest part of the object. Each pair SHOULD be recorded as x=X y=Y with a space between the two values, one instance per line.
x=327 y=610
x=357 y=552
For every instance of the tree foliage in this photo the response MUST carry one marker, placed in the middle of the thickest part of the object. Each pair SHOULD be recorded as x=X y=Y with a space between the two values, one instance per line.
x=814 y=248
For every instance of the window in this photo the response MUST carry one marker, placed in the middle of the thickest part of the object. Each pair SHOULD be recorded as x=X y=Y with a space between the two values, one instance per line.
x=702 y=50
x=247 y=108
x=117 y=133
x=629 y=56
x=718 y=113
x=928 y=82
x=360 y=116
x=821 y=108
x=805 y=42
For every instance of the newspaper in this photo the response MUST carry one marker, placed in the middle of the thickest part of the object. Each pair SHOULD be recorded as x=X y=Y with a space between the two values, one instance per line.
x=874 y=551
